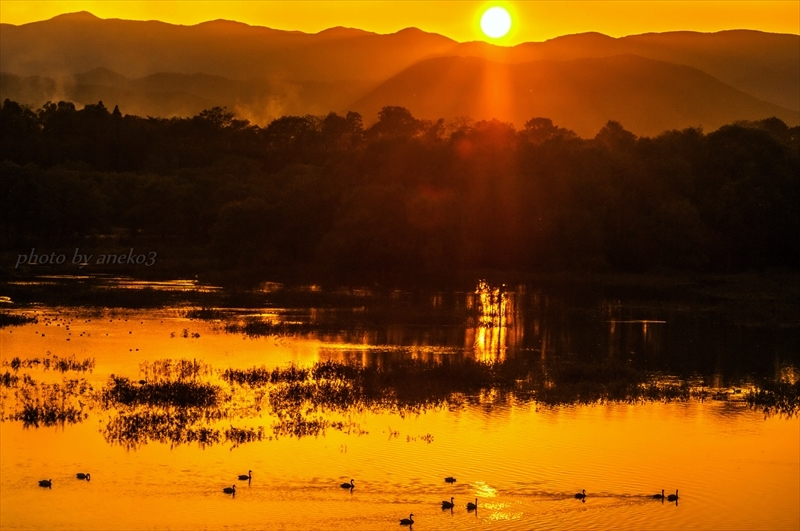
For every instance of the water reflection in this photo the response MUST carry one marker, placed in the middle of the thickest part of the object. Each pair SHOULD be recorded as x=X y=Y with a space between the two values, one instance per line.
x=397 y=390
x=187 y=401
x=405 y=353
x=495 y=322
x=489 y=336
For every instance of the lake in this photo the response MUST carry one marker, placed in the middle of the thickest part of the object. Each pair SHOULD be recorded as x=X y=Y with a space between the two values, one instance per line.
x=525 y=397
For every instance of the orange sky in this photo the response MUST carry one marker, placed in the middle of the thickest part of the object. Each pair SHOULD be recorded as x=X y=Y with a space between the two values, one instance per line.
x=533 y=20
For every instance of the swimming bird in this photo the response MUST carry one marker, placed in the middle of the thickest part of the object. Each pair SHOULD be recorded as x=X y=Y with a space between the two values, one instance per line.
x=249 y=475
x=448 y=504
x=81 y=475
x=449 y=479
x=673 y=497
x=348 y=485
x=581 y=495
x=46 y=483
x=659 y=496
x=472 y=506
x=408 y=521
x=230 y=490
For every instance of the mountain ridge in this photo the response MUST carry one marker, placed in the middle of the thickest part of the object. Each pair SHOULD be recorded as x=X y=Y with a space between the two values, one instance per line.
x=581 y=94
x=268 y=71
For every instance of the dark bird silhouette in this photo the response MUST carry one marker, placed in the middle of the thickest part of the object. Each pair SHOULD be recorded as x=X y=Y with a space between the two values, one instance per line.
x=448 y=504
x=248 y=477
x=581 y=495
x=673 y=497
x=46 y=483
x=472 y=506
x=449 y=479
x=408 y=521
x=81 y=475
x=659 y=496
x=348 y=485
x=230 y=490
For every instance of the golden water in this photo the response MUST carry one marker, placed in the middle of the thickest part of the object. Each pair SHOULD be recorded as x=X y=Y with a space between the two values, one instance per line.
x=735 y=469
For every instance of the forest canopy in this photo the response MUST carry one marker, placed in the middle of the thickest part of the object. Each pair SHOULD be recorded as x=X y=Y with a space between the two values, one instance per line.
x=402 y=196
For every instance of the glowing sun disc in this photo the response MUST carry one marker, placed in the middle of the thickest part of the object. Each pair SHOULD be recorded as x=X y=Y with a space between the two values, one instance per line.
x=495 y=22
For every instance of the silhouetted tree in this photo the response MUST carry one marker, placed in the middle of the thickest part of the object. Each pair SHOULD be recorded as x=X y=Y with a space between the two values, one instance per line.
x=405 y=196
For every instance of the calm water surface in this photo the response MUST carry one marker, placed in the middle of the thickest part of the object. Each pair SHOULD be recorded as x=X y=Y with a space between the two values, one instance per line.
x=735 y=467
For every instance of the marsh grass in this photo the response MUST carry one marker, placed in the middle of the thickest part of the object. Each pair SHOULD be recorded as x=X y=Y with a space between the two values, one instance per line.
x=413 y=386
x=259 y=376
x=188 y=401
x=207 y=314
x=9 y=380
x=175 y=426
x=121 y=390
x=51 y=362
x=166 y=370
x=13 y=319
x=776 y=397
x=38 y=404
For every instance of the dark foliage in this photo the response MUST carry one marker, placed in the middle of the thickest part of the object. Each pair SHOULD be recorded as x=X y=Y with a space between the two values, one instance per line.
x=776 y=397
x=121 y=390
x=11 y=319
x=401 y=198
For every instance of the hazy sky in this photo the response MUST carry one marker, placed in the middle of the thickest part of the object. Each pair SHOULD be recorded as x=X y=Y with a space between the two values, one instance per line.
x=533 y=20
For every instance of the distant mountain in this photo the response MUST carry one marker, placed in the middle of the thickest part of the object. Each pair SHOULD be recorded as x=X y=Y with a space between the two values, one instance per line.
x=69 y=44
x=646 y=96
x=766 y=65
x=650 y=81
x=170 y=94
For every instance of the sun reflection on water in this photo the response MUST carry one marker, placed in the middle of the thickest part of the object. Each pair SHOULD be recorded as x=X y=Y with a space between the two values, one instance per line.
x=495 y=328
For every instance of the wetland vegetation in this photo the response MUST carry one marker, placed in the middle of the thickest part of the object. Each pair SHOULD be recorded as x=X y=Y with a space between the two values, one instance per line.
x=396 y=377
x=183 y=401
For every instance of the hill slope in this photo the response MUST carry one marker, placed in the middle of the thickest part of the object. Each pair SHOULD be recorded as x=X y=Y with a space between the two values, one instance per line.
x=150 y=67
x=646 y=96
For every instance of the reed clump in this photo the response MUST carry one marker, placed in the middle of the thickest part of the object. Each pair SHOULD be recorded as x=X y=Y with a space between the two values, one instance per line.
x=259 y=376
x=206 y=314
x=173 y=426
x=135 y=428
x=37 y=404
x=121 y=390
x=165 y=370
x=239 y=436
x=15 y=319
x=9 y=380
x=51 y=362
x=776 y=397
x=298 y=425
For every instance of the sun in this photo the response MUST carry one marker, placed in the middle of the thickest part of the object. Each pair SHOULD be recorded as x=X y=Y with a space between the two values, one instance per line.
x=495 y=22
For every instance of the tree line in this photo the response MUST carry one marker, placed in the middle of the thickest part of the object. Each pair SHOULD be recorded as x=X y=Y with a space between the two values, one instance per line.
x=402 y=196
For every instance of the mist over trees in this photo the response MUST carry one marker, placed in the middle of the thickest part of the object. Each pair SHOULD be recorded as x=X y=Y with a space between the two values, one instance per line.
x=403 y=196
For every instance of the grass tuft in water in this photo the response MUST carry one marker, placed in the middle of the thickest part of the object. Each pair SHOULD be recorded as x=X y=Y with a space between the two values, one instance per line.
x=776 y=397
x=9 y=380
x=51 y=361
x=167 y=369
x=121 y=390
x=207 y=314
x=38 y=404
x=14 y=319
x=260 y=328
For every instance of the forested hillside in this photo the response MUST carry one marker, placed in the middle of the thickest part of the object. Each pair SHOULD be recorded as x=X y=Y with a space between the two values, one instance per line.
x=403 y=197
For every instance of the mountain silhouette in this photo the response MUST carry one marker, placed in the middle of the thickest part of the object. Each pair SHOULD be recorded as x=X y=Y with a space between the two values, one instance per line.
x=649 y=82
x=646 y=96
